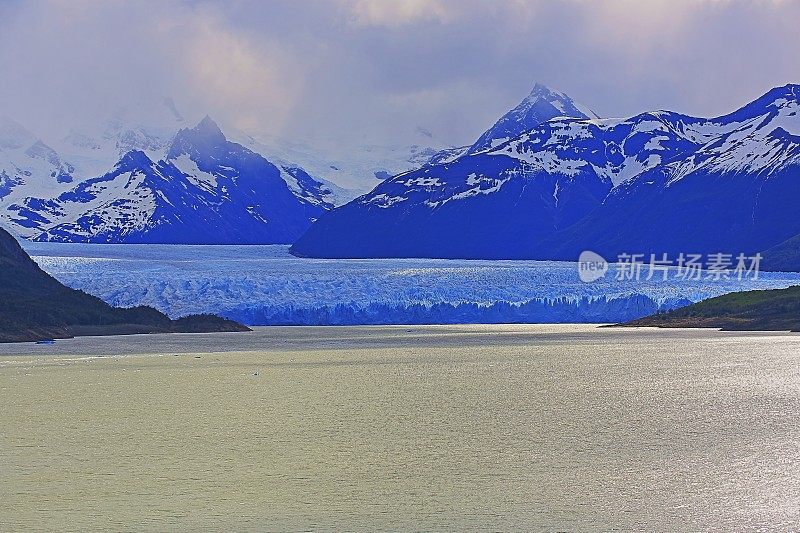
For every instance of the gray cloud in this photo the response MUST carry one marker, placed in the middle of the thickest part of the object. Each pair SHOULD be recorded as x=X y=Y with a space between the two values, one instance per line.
x=374 y=70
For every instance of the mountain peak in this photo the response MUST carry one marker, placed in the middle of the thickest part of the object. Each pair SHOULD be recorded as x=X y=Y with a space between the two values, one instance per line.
x=207 y=127
x=559 y=100
x=785 y=95
x=770 y=102
x=41 y=150
x=790 y=90
x=777 y=96
x=134 y=160
x=541 y=105
x=201 y=138
x=542 y=89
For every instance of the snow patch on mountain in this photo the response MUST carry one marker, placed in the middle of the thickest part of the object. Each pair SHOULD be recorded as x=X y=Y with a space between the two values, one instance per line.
x=348 y=171
x=204 y=189
x=203 y=180
x=540 y=105
x=71 y=188
x=537 y=183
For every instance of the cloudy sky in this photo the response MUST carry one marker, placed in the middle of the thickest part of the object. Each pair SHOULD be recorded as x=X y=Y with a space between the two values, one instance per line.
x=375 y=70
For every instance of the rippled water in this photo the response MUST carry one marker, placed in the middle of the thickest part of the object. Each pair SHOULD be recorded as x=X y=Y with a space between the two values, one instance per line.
x=434 y=428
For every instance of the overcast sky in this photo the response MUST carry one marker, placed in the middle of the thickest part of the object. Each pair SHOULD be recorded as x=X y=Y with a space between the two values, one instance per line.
x=375 y=70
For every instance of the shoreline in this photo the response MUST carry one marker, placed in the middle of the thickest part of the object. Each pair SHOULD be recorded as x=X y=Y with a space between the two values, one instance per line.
x=279 y=339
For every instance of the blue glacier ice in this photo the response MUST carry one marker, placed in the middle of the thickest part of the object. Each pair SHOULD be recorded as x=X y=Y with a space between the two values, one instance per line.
x=265 y=285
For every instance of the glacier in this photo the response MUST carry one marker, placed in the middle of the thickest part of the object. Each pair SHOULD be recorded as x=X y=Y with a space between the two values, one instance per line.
x=265 y=285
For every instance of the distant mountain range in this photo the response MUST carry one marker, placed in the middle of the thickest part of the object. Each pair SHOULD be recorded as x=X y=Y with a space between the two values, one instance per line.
x=355 y=169
x=548 y=180
x=551 y=179
x=206 y=190
x=146 y=177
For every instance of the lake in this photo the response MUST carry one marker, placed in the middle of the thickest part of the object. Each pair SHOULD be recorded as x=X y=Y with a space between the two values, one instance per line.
x=559 y=427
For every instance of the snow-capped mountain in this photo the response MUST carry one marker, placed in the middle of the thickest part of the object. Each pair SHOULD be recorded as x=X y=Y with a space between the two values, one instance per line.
x=349 y=170
x=39 y=182
x=657 y=182
x=28 y=163
x=736 y=192
x=321 y=172
x=542 y=104
x=146 y=124
x=31 y=167
x=205 y=189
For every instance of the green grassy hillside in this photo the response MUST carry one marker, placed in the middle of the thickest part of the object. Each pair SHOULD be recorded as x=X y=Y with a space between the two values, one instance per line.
x=768 y=310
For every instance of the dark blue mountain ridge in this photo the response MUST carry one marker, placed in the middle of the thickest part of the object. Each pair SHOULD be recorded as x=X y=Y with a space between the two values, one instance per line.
x=659 y=182
x=207 y=190
x=542 y=104
x=769 y=102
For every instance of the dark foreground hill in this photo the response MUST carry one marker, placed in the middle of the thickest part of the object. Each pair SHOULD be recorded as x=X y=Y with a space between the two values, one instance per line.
x=768 y=310
x=35 y=306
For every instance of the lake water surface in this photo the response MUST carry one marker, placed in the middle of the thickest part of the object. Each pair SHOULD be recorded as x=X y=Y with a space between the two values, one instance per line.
x=385 y=428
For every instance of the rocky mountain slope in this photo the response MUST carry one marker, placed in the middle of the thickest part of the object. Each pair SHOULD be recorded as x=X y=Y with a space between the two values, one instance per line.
x=658 y=182
x=72 y=190
x=205 y=189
